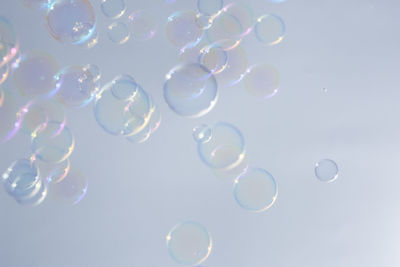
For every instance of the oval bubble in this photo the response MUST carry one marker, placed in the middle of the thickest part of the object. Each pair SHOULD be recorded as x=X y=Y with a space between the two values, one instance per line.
x=269 y=29
x=71 y=190
x=189 y=243
x=10 y=116
x=255 y=190
x=326 y=170
x=142 y=25
x=118 y=32
x=262 y=81
x=8 y=42
x=190 y=90
x=209 y=7
x=113 y=8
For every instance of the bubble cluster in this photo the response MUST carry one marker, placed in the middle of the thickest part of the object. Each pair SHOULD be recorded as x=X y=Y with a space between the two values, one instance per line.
x=326 y=170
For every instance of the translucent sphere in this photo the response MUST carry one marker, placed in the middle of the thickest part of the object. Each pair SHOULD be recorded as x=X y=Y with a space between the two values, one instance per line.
x=8 y=42
x=209 y=7
x=262 y=81
x=71 y=190
x=53 y=172
x=34 y=196
x=214 y=58
x=189 y=243
x=71 y=21
x=142 y=25
x=269 y=29
x=10 y=117
x=118 y=32
x=202 y=133
x=190 y=90
x=326 y=170
x=235 y=67
x=113 y=8
x=255 y=190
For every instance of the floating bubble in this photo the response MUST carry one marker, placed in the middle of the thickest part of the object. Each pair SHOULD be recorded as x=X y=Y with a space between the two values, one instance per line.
x=76 y=86
x=326 y=170
x=234 y=172
x=201 y=133
x=269 y=29
x=52 y=142
x=209 y=7
x=53 y=172
x=243 y=14
x=71 y=21
x=71 y=190
x=4 y=70
x=34 y=74
x=142 y=25
x=118 y=32
x=204 y=21
x=10 y=117
x=36 y=197
x=235 y=68
x=189 y=243
x=255 y=190
x=225 y=149
x=113 y=8
x=214 y=58
x=183 y=30
x=8 y=42
x=91 y=42
x=190 y=90
x=94 y=70
x=262 y=81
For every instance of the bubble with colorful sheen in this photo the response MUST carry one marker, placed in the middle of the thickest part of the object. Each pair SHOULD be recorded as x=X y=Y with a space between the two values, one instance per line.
x=9 y=46
x=142 y=25
x=118 y=32
x=10 y=115
x=52 y=172
x=113 y=8
x=209 y=7
x=262 y=81
x=190 y=90
x=71 y=21
x=214 y=58
x=255 y=190
x=189 y=243
x=235 y=67
x=71 y=190
x=326 y=170
x=269 y=29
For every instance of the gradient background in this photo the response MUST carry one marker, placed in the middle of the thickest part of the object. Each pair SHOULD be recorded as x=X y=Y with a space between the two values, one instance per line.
x=138 y=192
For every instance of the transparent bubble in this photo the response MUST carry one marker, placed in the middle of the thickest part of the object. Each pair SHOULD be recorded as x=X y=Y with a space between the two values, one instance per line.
x=201 y=133
x=118 y=32
x=225 y=149
x=183 y=30
x=189 y=243
x=8 y=41
x=53 y=172
x=71 y=190
x=36 y=197
x=71 y=21
x=235 y=68
x=269 y=29
x=243 y=14
x=209 y=7
x=76 y=86
x=36 y=4
x=4 y=71
x=52 y=142
x=326 y=170
x=234 y=172
x=34 y=74
x=214 y=58
x=255 y=190
x=142 y=25
x=262 y=81
x=113 y=8
x=204 y=21
x=94 y=70
x=10 y=117
x=91 y=41
x=190 y=90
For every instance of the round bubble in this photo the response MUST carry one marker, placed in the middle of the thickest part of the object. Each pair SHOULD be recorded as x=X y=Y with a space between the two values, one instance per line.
x=142 y=25
x=235 y=68
x=10 y=117
x=201 y=133
x=269 y=29
x=34 y=74
x=71 y=190
x=189 y=243
x=52 y=142
x=262 y=81
x=225 y=149
x=183 y=30
x=190 y=90
x=91 y=42
x=4 y=71
x=53 y=172
x=204 y=21
x=326 y=170
x=255 y=190
x=71 y=21
x=149 y=129
x=118 y=32
x=76 y=86
x=8 y=41
x=94 y=71
x=234 y=172
x=209 y=7
x=243 y=14
x=214 y=58
x=36 y=195
x=113 y=8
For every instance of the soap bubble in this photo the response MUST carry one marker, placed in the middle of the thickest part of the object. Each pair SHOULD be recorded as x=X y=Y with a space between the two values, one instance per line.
x=52 y=142
x=225 y=149
x=4 y=71
x=71 y=190
x=326 y=170
x=53 y=172
x=91 y=42
x=34 y=74
x=76 y=85
x=189 y=243
x=113 y=8
x=202 y=133
x=71 y=21
x=209 y=7
x=118 y=32
x=262 y=81
x=142 y=25
x=204 y=21
x=10 y=117
x=36 y=195
x=235 y=68
x=269 y=29
x=190 y=90
x=8 y=42
x=214 y=58
x=255 y=190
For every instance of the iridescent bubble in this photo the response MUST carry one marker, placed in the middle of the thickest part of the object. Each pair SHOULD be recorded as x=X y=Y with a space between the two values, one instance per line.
x=204 y=21
x=76 y=86
x=36 y=195
x=142 y=25
x=326 y=170
x=235 y=68
x=118 y=32
x=189 y=243
x=10 y=117
x=262 y=81
x=269 y=29
x=34 y=74
x=71 y=21
x=52 y=142
x=53 y=172
x=113 y=8
x=255 y=190
x=214 y=58
x=8 y=42
x=201 y=133
x=190 y=90
x=243 y=14
x=4 y=70
x=71 y=190
x=225 y=149
x=209 y=7
x=183 y=30
x=91 y=42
